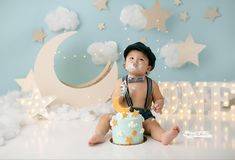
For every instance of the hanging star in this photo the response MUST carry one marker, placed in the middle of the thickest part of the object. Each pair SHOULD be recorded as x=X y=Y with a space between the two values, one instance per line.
x=143 y=40
x=189 y=50
x=212 y=14
x=156 y=17
x=184 y=16
x=101 y=4
x=101 y=26
x=27 y=84
x=36 y=105
x=177 y=2
x=39 y=35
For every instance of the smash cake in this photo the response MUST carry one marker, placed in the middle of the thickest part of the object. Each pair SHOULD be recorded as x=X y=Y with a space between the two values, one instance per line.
x=127 y=128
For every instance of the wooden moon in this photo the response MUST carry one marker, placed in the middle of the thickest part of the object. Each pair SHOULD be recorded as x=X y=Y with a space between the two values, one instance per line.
x=96 y=91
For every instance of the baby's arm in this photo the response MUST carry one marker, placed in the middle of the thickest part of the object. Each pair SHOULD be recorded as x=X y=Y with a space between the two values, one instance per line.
x=158 y=99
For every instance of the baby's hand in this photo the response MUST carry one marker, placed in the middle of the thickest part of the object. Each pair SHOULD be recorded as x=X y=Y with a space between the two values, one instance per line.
x=123 y=89
x=158 y=105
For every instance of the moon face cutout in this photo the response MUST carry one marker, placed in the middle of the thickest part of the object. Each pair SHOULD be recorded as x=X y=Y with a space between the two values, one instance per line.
x=96 y=91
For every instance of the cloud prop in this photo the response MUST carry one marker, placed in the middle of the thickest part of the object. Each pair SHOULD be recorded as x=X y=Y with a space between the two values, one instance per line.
x=103 y=52
x=171 y=55
x=132 y=15
x=11 y=115
x=62 y=18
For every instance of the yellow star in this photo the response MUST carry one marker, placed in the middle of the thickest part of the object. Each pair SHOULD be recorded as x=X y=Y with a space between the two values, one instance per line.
x=36 y=105
x=177 y=2
x=212 y=14
x=101 y=4
x=101 y=26
x=133 y=133
x=128 y=140
x=156 y=17
x=39 y=35
x=124 y=115
x=189 y=50
x=184 y=16
x=28 y=83
x=135 y=113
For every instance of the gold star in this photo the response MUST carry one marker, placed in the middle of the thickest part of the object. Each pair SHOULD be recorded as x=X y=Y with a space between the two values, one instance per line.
x=101 y=4
x=212 y=14
x=36 y=105
x=156 y=17
x=184 y=16
x=128 y=140
x=135 y=113
x=189 y=50
x=28 y=83
x=133 y=133
x=177 y=2
x=39 y=35
x=101 y=26
x=143 y=39
x=124 y=115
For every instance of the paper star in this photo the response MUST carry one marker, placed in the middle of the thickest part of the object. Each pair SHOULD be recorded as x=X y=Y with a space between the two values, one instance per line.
x=189 y=50
x=143 y=40
x=156 y=17
x=39 y=35
x=212 y=14
x=101 y=26
x=177 y=2
x=184 y=16
x=27 y=84
x=101 y=4
x=36 y=105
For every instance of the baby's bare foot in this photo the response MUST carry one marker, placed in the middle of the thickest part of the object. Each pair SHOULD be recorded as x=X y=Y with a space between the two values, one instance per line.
x=96 y=139
x=169 y=135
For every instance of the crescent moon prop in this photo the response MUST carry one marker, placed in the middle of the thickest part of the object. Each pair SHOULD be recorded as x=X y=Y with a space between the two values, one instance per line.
x=118 y=107
x=96 y=91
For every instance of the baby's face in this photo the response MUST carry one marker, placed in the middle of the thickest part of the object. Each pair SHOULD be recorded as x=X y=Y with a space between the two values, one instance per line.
x=137 y=64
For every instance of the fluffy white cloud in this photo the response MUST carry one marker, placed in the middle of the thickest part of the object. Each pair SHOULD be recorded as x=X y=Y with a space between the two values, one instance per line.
x=11 y=115
x=171 y=55
x=62 y=18
x=133 y=15
x=103 y=52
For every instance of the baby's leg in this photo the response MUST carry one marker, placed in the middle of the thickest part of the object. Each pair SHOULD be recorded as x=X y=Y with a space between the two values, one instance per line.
x=158 y=133
x=102 y=128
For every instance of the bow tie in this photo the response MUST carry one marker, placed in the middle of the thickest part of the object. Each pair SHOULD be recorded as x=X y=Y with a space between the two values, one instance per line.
x=135 y=79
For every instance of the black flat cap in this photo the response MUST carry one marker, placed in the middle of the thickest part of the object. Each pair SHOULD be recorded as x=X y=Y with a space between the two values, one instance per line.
x=142 y=48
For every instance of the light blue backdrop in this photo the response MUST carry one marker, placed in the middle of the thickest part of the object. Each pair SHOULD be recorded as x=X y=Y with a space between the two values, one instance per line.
x=20 y=18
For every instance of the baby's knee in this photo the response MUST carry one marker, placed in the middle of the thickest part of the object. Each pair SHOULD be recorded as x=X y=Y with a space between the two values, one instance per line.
x=106 y=116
